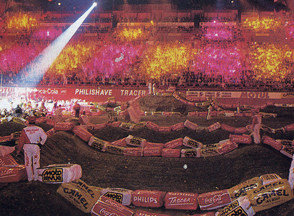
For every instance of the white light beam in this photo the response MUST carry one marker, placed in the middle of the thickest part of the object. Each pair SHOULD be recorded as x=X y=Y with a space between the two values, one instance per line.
x=39 y=66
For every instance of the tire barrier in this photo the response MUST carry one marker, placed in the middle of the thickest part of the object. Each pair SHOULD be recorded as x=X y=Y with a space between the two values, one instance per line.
x=242 y=139
x=269 y=178
x=121 y=142
x=247 y=198
x=6 y=150
x=188 y=142
x=239 y=198
x=135 y=152
x=181 y=201
x=236 y=137
x=148 y=199
x=10 y=170
x=291 y=175
x=205 y=214
x=63 y=126
x=190 y=125
x=151 y=144
x=152 y=151
x=114 y=149
x=13 y=174
x=7 y=143
x=135 y=141
x=283 y=146
x=241 y=206
x=120 y=195
x=170 y=153
x=242 y=188
x=190 y=153
x=214 y=200
x=214 y=127
x=80 y=194
x=7 y=160
x=226 y=146
x=204 y=102
x=59 y=173
x=106 y=206
x=174 y=143
x=82 y=133
x=270 y=195
x=254 y=195
x=97 y=143
x=145 y=213
x=99 y=126
x=272 y=142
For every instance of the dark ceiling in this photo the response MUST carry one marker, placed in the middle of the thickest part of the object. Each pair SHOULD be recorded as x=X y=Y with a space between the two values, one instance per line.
x=81 y=5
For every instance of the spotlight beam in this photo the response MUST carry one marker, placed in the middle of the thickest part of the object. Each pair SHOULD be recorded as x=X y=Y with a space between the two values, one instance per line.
x=39 y=66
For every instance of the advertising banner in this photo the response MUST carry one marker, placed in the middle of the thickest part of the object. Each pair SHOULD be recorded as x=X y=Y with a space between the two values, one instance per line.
x=124 y=94
x=237 y=95
x=89 y=94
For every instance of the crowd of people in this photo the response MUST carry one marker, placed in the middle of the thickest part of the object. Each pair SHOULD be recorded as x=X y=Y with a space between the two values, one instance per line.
x=23 y=108
x=214 y=58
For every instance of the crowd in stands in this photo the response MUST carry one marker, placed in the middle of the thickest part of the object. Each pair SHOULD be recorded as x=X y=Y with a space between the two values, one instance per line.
x=135 y=56
x=261 y=24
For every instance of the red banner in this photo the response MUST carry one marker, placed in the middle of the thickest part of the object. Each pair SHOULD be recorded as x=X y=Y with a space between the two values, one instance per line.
x=89 y=94
x=123 y=94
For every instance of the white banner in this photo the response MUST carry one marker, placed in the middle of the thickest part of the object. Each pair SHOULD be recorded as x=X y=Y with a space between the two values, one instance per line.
x=233 y=94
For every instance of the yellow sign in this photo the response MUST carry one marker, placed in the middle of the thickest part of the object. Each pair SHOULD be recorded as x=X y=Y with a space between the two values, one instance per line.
x=52 y=175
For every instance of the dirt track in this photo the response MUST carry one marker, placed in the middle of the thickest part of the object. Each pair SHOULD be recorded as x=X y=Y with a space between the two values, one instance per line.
x=152 y=173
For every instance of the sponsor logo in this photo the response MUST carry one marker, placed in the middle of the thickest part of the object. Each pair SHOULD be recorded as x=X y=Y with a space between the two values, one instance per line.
x=214 y=199
x=193 y=143
x=114 y=149
x=51 y=91
x=257 y=95
x=229 y=208
x=238 y=212
x=6 y=90
x=191 y=153
x=209 y=151
x=103 y=211
x=84 y=187
x=145 y=199
x=98 y=144
x=135 y=93
x=288 y=94
x=179 y=201
x=136 y=141
x=133 y=151
x=107 y=92
x=118 y=197
x=243 y=190
x=76 y=196
x=271 y=196
x=290 y=151
x=52 y=175
x=268 y=186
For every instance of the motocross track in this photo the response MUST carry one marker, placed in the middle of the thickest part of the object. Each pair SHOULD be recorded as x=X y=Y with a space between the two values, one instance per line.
x=152 y=173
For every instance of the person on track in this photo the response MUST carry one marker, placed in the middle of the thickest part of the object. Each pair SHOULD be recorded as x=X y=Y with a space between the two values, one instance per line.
x=31 y=139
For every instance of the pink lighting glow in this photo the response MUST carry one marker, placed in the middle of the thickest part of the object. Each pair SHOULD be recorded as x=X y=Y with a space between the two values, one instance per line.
x=220 y=61
x=113 y=60
x=218 y=34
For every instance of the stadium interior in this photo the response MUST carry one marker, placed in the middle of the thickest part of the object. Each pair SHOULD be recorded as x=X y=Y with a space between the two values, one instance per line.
x=232 y=45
